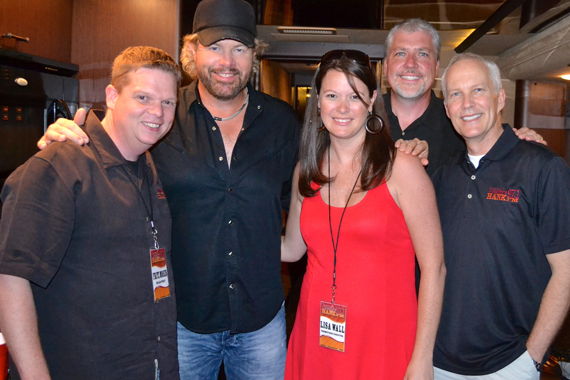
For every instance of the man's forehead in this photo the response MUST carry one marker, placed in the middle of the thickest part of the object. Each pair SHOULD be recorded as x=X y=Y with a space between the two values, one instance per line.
x=145 y=78
x=412 y=40
x=469 y=72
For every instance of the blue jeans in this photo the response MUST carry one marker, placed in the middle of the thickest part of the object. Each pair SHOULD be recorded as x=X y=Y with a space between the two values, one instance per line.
x=258 y=355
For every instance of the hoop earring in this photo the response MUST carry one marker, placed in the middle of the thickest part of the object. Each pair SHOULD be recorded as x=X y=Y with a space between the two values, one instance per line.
x=371 y=118
x=321 y=127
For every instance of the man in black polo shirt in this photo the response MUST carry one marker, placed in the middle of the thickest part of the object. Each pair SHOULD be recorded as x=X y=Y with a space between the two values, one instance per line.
x=505 y=213
x=86 y=286
x=411 y=66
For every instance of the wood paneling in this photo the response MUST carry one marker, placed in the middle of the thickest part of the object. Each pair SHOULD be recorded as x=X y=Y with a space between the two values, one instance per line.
x=46 y=23
x=541 y=106
x=557 y=140
x=275 y=81
x=102 y=29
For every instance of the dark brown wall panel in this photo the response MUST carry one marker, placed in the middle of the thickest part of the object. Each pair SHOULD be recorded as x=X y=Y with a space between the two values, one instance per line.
x=46 y=22
x=541 y=106
x=275 y=81
x=103 y=28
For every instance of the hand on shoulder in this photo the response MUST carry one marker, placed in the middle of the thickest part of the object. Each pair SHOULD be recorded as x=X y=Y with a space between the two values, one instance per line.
x=64 y=129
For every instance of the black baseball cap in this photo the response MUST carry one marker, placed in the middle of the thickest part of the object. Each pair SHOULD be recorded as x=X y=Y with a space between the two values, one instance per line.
x=217 y=20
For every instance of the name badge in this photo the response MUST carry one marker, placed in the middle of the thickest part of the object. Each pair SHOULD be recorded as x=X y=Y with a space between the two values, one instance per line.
x=333 y=326
x=159 y=274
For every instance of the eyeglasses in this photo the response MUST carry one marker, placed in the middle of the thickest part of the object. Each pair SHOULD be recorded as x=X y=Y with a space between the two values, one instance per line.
x=354 y=55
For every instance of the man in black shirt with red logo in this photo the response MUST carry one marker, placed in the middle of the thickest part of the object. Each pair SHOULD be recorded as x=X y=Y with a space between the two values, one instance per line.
x=86 y=285
x=505 y=210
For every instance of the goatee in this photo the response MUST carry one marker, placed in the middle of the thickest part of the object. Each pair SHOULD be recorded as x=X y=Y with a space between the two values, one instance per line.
x=222 y=90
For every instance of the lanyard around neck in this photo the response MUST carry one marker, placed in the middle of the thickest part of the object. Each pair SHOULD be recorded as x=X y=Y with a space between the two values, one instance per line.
x=335 y=244
x=149 y=210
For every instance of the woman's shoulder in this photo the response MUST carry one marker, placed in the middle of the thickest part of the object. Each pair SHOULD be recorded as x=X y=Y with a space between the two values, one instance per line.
x=407 y=172
x=407 y=164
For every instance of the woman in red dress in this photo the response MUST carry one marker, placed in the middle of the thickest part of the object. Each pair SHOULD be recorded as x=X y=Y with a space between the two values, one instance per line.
x=363 y=212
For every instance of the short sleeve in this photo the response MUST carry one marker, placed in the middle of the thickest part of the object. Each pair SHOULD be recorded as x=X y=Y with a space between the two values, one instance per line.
x=553 y=206
x=37 y=222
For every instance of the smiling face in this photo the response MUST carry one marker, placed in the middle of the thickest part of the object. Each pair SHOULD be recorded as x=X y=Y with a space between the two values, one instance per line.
x=143 y=112
x=224 y=68
x=473 y=105
x=411 y=64
x=342 y=112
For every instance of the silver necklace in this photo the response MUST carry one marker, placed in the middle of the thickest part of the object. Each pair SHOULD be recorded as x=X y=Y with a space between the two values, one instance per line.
x=235 y=114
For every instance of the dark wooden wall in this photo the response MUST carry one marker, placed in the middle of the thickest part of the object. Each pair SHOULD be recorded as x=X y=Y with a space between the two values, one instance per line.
x=542 y=106
x=102 y=29
x=89 y=33
x=46 y=23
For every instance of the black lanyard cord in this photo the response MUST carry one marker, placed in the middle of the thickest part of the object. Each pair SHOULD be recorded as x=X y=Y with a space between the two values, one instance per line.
x=149 y=211
x=335 y=245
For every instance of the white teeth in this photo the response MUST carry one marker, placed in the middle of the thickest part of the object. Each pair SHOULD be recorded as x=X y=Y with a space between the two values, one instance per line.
x=226 y=75
x=469 y=118
x=409 y=77
x=343 y=120
x=151 y=125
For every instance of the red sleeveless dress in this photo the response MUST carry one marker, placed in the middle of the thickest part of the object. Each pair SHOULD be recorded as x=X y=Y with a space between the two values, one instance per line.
x=375 y=278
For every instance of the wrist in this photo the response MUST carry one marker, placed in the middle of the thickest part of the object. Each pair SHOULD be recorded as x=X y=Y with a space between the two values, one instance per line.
x=537 y=365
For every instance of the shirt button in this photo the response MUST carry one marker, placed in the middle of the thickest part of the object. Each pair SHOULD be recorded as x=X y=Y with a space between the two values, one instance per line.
x=230 y=254
x=158 y=338
x=473 y=177
x=469 y=196
x=403 y=133
x=258 y=107
x=230 y=222
x=213 y=128
x=232 y=286
x=221 y=158
x=230 y=190
x=235 y=158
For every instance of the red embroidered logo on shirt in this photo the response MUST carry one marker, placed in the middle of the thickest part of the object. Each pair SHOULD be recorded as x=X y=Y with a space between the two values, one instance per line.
x=160 y=193
x=510 y=195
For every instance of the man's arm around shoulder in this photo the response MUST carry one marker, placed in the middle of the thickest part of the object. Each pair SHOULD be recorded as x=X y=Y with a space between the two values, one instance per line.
x=18 y=321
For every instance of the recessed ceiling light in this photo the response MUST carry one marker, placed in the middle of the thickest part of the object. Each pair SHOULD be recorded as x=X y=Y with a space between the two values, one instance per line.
x=306 y=30
x=566 y=76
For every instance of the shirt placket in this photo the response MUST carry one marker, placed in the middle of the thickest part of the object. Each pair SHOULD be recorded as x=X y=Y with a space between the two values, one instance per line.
x=471 y=190
x=230 y=252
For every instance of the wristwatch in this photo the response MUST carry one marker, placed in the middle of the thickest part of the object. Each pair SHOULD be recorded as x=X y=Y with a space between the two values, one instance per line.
x=537 y=365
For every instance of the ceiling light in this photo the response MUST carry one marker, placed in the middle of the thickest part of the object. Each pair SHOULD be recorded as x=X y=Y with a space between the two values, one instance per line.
x=566 y=76
x=306 y=30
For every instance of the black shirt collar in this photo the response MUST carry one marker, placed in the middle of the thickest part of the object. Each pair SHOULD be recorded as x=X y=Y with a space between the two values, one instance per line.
x=430 y=114
x=110 y=154
x=108 y=151
x=253 y=109
x=506 y=142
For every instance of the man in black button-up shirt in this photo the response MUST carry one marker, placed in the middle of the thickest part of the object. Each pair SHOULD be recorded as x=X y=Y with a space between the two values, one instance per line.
x=227 y=167
x=78 y=236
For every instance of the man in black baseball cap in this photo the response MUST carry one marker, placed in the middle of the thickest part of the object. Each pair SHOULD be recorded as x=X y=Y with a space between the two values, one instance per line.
x=226 y=169
x=217 y=20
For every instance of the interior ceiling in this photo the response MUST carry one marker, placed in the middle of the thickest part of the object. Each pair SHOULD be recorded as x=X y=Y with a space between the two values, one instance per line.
x=454 y=19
